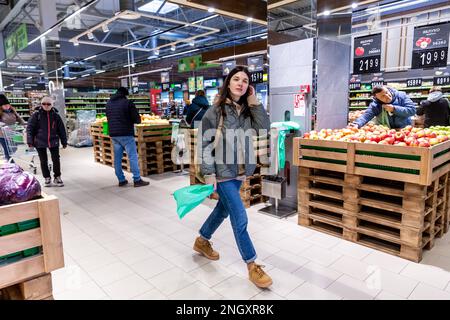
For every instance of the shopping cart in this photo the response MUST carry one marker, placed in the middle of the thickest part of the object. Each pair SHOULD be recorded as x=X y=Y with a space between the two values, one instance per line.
x=15 y=137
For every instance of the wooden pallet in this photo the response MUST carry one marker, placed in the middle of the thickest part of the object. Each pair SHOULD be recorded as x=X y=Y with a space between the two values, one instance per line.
x=38 y=288
x=407 y=164
x=404 y=217
x=48 y=236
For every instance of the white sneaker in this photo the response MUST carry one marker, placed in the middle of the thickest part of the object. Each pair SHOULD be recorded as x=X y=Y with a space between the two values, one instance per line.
x=48 y=182
x=58 y=182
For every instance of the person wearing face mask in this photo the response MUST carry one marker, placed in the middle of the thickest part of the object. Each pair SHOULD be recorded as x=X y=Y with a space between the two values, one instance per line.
x=388 y=103
x=8 y=117
x=45 y=129
x=226 y=165
x=436 y=109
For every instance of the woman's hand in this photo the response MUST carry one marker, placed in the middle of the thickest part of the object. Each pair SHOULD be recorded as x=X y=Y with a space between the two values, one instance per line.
x=251 y=99
x=211 y=179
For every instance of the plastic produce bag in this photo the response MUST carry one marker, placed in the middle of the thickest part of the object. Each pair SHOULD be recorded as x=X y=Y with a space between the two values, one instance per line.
x=188 y=198
x=17 y=185
x=283 y=128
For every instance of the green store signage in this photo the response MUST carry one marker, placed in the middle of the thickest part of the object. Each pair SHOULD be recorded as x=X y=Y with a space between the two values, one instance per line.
x=194 y=63
x=17 y=41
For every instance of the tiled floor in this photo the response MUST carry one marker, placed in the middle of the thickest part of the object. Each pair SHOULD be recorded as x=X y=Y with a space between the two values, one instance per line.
x=127 y=243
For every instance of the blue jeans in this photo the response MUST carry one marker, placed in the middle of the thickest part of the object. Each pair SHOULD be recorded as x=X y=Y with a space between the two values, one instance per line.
x=128 y=144
x=230 y=204
x=5 y=148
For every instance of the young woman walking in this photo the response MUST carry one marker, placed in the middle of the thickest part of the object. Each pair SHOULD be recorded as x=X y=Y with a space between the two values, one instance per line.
x=235 y=110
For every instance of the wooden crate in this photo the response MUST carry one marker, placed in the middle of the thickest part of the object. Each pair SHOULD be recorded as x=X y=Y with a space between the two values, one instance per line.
x=153 y=144
x=48 y=235
x=408 y=164
x=397 y=217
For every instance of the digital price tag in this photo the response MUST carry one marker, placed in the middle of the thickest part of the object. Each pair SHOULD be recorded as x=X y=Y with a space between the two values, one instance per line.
x=413 y=83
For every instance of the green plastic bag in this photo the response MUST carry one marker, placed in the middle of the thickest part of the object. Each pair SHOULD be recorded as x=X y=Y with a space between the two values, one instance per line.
x=283 y=127
x=383 y=119
x=188 y=198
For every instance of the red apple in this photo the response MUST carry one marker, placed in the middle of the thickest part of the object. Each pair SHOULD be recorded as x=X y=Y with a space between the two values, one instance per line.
x=400 y=143
x=421 y=134
x=383 y=142
x=306 y=135
x=424 y=144
x=359 y=51
x=390 y=140
x=442 y=138
x=432 y=135
x=399 y=136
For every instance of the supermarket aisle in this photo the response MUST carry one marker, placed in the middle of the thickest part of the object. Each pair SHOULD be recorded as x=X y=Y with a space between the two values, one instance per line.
x=129 y=244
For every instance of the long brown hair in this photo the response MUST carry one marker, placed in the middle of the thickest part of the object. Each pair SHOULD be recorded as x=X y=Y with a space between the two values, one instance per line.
x=224 y=93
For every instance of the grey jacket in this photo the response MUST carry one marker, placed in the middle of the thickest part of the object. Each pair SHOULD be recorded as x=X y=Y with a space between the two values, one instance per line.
x=211 y=160
x=10 y=118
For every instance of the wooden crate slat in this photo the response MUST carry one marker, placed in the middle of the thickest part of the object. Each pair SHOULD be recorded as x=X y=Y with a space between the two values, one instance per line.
x=19 y=212
x=399 y=176
x=399 y=163
x=20 y=241
x=323 y=154
x=17 y=272
x=51 y=235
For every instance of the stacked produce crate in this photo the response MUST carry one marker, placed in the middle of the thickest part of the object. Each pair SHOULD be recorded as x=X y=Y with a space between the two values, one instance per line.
x=391 y=198
x=153 y=143
x=30 y=248
x=251 y=187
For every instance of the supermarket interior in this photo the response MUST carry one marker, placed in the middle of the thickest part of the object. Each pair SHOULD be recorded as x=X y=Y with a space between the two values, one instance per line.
x=116 y=117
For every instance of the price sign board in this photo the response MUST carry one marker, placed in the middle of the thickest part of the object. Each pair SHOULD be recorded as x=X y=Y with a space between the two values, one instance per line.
x=377 y=83
x=367 y=54
x=256 y=77
x=441 y=81
x=430 y=48
x=414 y=83
x=354 y=86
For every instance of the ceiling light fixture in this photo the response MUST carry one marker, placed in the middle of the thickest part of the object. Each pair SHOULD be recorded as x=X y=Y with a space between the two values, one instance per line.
x=105 y=28
x=180 y=53
x=2 y=62
x=192 y=43
x=354 y=5
x=12 y=85
x=42 y=73
x=85 y=75
x=257 y=35
x=145 y=72
x=100 y=71
x=326 y=13
x=156 y=52
x=130 y=65
x=249 y=19
x=205 y=19
x=76 y=43
x=91 y=57
x=90 y=35
x=173 y=48
x=211 y=10
x=29 y=78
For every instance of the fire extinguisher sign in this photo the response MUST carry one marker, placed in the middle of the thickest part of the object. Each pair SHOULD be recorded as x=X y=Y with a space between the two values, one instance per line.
x=299 y=105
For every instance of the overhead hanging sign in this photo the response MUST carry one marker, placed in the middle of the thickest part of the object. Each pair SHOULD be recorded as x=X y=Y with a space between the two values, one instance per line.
x=430 y=48
x=17 y=41
x=200 y=83
x=228 y=66
x=255 y=63
x=165 y=77
x=367 y=54
x=191 y=84
x=194 y=63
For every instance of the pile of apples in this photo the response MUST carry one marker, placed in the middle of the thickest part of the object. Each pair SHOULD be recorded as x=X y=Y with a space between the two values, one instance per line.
x=376 y=134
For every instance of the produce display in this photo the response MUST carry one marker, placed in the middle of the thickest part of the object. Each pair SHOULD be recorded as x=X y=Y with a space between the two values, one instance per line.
x=154 y=120
x=377 y=134
x=17 y=185
x=353 y=115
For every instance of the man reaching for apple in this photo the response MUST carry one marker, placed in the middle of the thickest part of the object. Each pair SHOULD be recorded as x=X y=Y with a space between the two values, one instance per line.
x=396 y=103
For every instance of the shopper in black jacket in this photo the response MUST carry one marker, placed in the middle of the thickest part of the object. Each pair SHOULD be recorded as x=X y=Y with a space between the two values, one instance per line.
x=197 y=109
x=45 y=129
x=436 y=109
x=122 y=115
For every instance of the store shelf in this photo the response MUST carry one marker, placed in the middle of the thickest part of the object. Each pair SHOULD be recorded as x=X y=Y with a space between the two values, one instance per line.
x=357 y=107
x=359 y=99
x=360 y=91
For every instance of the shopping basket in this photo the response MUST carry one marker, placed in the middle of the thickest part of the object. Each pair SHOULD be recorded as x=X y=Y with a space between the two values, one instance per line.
x=15 y=138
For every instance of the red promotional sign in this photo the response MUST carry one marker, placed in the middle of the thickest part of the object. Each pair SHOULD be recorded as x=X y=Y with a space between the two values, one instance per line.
x=299 y=105
x=154 y=93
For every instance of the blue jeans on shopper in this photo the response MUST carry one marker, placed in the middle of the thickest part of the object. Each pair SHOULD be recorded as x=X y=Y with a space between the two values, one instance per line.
x=230 y=204
x=128 y=144
x=5 y=148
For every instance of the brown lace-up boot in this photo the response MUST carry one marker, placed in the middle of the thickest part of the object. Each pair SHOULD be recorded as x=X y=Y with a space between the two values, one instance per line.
x=204 y=247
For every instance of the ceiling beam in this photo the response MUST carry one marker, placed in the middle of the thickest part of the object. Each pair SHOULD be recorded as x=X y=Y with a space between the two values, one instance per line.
x=241 y=10
x=215 y=55
x=272 y=4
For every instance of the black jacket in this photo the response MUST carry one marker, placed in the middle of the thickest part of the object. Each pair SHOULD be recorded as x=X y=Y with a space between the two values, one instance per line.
x=122 y=114
x=45 y=129
x=436 y=113
x=197 y=110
